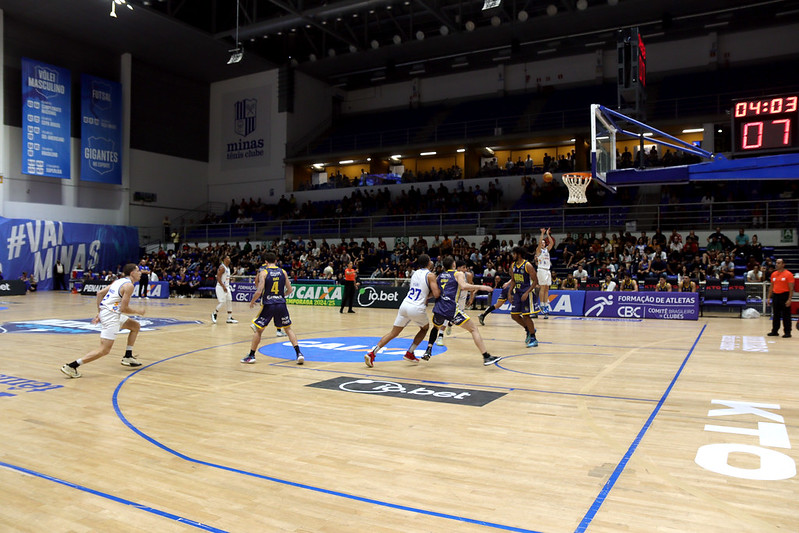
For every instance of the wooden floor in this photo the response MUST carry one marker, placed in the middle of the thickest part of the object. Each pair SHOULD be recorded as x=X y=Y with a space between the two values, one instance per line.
x=597 y=429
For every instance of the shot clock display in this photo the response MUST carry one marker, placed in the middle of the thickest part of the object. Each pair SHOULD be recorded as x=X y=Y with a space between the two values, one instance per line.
x=765 y=124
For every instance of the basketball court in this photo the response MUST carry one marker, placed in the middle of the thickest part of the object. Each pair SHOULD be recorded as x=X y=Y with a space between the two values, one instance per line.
x=608 y=425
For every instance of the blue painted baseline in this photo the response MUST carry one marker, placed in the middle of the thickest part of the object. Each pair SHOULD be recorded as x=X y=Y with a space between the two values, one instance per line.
x=113 y=498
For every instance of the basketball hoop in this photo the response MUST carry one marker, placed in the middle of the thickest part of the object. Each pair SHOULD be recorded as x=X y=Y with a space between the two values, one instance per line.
x=577 y=183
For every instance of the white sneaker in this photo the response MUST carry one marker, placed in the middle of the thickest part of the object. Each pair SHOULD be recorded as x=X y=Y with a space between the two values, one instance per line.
x=231 y=320
x=213 y=318
x=440 y=341
x=130 y=361
x=281 y=333
x=300 y=359
x=70 y=372
x=448 y=331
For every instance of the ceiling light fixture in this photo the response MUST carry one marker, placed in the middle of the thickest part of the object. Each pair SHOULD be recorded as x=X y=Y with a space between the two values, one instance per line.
x=114 y=4
x=460 y=150
x=236 y=54
x=427 y=153
x=346 y=162
x=694 y=130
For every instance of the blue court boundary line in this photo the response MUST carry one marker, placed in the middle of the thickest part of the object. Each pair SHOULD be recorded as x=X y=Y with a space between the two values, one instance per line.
x=603 y=494
x=283 y=364
x=113 y=498
x=115 y=401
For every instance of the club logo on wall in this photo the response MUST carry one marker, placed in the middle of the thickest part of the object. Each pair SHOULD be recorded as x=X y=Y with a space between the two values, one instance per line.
x=246 y=111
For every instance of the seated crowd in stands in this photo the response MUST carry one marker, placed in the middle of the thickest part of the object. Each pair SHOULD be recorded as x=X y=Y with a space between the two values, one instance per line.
x=671 y=257
x=622 y=259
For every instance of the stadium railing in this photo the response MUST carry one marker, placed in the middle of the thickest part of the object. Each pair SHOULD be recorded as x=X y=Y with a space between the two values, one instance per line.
x=610 y=218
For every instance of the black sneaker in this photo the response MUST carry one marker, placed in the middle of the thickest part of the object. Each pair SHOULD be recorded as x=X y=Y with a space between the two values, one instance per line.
x=786 y=336
x=773 y=334
x=426 y=356
x=482 y=320
x=491 y=360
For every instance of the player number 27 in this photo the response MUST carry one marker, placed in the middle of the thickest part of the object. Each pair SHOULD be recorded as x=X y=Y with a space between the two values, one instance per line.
x=415 y=293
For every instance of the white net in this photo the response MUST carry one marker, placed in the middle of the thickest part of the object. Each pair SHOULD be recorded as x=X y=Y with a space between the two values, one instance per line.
x=577 y=183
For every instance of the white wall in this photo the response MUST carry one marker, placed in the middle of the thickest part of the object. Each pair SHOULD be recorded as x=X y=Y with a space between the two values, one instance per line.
x=262 y=176
x=180 y=184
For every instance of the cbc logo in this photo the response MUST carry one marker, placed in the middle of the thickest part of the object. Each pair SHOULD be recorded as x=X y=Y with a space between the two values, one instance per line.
x=243 y=297
x=369 y=296
x=627 y=311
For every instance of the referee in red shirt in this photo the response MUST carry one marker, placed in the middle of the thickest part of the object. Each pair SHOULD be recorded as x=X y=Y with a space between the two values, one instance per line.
x=350 y=284
x=781 y=293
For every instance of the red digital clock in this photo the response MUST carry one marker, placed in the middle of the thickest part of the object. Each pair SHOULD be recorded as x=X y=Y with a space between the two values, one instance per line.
x=765 y=124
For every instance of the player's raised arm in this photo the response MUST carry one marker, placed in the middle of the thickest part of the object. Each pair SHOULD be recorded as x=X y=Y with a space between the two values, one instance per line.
x=460 y=277
x=550 y=240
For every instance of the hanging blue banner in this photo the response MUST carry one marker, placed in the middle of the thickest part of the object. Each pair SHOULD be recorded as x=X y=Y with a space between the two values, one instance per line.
x=46 y=110
x=34 y=246
x=100 y=130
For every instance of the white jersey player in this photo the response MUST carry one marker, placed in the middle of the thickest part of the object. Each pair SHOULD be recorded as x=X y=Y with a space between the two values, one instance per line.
x=223 y=292
x=113 y=303
x=413 y=309
x=542 y=257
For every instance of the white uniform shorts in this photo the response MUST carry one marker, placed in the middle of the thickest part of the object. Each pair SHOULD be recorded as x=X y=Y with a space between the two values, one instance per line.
x=110 y=323
x=223 y=296
x=411 y=313
x=544 y=276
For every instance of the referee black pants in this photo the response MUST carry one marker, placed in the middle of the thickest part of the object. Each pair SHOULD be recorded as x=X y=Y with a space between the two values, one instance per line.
x=780 y=312
x=349 y=295
x=144 y=283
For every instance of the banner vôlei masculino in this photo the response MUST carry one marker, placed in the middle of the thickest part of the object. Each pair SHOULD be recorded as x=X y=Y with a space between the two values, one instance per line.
x=46 y=116
x=34 y=246
x=100 y=130
x=664 y=305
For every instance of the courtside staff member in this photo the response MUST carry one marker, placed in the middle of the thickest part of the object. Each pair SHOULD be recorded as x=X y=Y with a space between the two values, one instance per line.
x=781 y=293
x=351 y=283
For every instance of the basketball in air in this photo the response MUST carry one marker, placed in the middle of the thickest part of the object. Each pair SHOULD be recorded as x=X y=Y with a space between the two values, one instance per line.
x=547 y=177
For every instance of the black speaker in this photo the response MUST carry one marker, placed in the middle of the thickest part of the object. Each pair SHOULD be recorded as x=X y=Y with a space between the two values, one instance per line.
x=285 y=89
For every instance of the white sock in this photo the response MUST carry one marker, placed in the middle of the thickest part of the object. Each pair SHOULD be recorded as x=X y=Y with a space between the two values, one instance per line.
x=79 y=361
x=413 y=347
x=129 y=348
